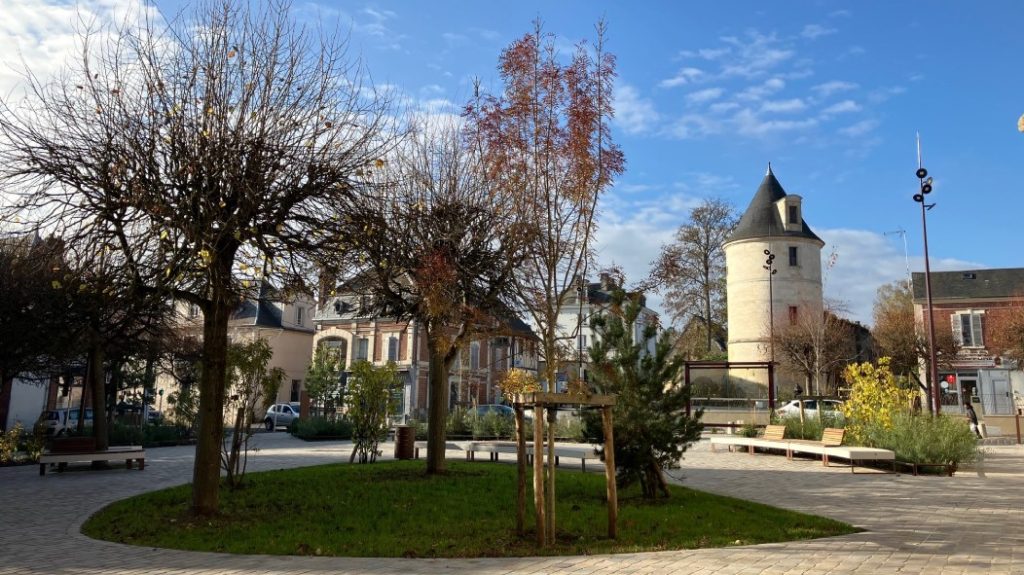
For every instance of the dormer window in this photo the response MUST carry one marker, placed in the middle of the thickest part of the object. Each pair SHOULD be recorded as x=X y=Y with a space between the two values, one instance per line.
x=794 y=215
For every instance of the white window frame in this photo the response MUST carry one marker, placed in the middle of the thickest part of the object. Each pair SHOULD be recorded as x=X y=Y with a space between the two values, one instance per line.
x=299 y=312
x=976 y=327
x=360 y=354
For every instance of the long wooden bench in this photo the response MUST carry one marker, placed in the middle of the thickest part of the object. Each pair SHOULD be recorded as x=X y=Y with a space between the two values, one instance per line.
x=128 y=453
x=772 y=438
x=495 y=448
x=830 y=446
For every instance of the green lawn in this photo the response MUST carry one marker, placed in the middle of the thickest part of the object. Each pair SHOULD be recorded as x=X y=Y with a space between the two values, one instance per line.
x=392 y=509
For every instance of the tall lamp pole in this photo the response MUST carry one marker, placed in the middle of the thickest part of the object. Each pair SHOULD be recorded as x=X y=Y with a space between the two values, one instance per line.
x=925 y=184
x=769 y=264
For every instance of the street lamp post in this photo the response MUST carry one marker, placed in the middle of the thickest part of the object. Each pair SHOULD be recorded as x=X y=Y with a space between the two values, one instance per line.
x=925 y=184
x=769 y=264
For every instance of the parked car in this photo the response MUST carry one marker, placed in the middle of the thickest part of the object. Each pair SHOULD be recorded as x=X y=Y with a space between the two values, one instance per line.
x=502 y=410
x=280 y=414
x=63 y=421
x=829 y=407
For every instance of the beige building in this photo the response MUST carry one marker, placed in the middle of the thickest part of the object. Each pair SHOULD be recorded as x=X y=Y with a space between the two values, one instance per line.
x=344 y=323
x=786 y=289
x=286 y=324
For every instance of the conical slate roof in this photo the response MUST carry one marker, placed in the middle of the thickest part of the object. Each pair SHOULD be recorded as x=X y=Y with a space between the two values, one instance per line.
x=762 y=219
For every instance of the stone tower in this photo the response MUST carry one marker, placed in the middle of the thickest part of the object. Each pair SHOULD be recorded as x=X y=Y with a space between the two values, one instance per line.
x=773 y=221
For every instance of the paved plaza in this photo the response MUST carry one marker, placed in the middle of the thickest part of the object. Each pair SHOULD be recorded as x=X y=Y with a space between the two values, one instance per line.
x=971 y=523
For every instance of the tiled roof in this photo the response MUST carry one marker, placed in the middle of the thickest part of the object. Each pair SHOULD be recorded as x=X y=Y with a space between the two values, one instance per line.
x=762 y=219
x=971 y=284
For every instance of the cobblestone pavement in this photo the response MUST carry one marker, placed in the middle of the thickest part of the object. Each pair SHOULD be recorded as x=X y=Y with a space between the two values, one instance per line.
x=971 y=523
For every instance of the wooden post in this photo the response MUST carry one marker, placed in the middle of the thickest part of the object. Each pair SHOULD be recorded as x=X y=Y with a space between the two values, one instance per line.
x=609 y=472
x=520 y=471
x=538 y=472
x=552 y=414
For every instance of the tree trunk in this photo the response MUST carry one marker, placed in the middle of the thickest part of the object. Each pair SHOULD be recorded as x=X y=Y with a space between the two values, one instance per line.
x=437 y=406
x=206 y=472
x=98 y=387
x=6 y=387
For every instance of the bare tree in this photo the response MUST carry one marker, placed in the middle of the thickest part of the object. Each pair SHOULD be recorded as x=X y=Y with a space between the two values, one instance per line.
x=813 y=346
x=691 y=269
x=437 y=244
x=209 y=152
x=546 y=139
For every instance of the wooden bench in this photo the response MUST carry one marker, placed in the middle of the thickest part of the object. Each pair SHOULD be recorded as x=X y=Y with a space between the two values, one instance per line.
x=830 y=446
x=495 y=448
x=72 y=453
x=772 y=438
x=830 y=437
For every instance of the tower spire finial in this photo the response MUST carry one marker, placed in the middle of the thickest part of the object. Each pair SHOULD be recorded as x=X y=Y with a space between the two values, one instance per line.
x=769 y=170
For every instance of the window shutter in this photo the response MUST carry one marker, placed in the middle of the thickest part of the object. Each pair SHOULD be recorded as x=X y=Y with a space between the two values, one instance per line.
x=958 y=334
x=976 y=331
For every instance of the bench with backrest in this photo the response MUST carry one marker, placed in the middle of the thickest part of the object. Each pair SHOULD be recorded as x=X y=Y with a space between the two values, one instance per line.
x=771 y=438
x=830 y=446
x=83 y=449
x=830 y=437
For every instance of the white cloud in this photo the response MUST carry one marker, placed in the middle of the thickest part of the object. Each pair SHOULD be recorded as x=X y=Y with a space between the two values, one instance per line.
x=784 y=106
x=42 y=36
x=859 y=129
x=682 y=77
x=721 y=107
x=754 y=55
x=702 y=96
x=767 y=88
x=865 y=261
x=828 y=88
x=844 y=107
x=814 y=31
x=749 y=123
x=633 y=113
x=882 y=94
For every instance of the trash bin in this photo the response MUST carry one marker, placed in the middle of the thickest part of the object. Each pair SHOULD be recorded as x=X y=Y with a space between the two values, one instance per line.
x=405 y=441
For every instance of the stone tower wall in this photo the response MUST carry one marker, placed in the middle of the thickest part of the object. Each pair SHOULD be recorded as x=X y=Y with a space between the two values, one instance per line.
x=747 y=290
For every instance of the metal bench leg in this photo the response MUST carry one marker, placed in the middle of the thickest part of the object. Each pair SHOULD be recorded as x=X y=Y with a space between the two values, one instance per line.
x=142 y=463
x=42 y=469
x=127 y=463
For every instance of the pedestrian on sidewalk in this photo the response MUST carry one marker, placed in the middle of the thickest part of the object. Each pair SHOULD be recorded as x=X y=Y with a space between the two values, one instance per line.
x=972 y=417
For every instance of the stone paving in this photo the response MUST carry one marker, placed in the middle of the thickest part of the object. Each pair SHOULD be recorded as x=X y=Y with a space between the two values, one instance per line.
x=971 y=523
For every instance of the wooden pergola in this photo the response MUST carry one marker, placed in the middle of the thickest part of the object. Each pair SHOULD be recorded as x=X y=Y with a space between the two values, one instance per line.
x=544 y=491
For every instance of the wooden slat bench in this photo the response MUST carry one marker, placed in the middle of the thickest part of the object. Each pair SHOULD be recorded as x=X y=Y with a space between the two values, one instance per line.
x=772 y=438
x=495 y=448
x=60 y=456
x=830 y=437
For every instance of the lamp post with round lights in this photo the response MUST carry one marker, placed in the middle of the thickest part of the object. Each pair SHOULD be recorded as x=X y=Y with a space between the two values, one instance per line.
x=925 y=184
x=769 y=264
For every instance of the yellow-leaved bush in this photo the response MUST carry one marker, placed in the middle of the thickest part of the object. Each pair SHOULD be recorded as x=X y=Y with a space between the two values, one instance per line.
x=518 y=381
x=875 y=398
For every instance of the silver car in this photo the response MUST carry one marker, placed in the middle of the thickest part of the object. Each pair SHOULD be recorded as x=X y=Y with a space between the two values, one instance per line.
x=280 y=415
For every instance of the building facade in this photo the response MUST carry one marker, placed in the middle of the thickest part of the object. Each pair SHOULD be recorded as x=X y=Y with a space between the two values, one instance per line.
x=578 y=308
x=343 y=323
x=969 y=302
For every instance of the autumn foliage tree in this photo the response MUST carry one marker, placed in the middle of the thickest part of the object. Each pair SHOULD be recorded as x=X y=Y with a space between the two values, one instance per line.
x=1006 y=327
x=208 y=151
x=437 y=243
x=902 y=338
x=546 y=140
x=814 y=346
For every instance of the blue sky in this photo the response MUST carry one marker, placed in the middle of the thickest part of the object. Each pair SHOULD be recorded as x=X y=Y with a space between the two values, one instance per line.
x=708 y=93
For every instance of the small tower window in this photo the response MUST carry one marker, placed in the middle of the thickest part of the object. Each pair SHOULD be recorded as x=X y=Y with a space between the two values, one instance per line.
x=794 y=215
x=794 y=260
